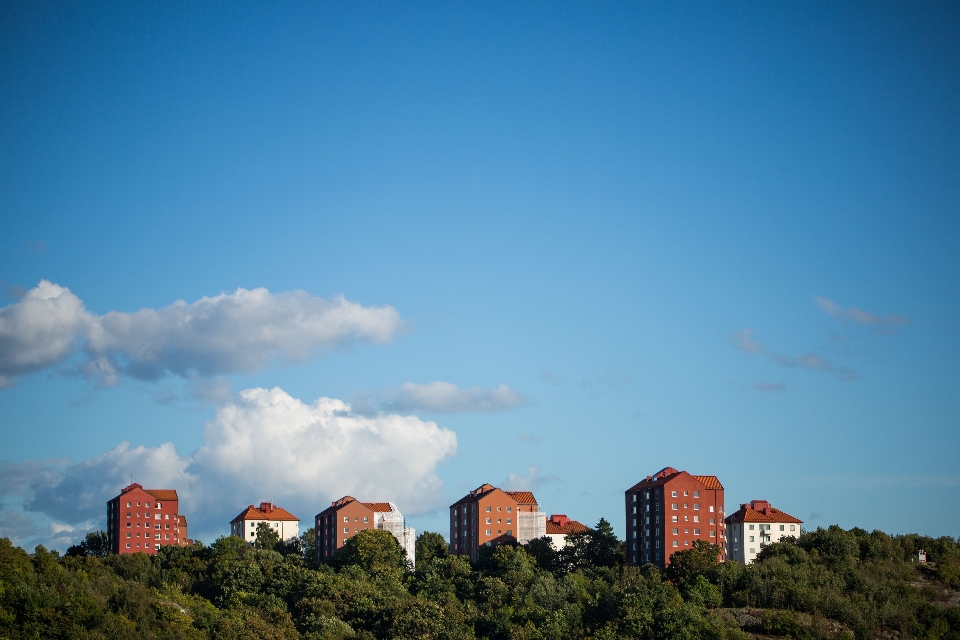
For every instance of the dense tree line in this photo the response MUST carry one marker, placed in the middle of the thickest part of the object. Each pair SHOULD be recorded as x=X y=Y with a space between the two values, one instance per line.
x=830 y=583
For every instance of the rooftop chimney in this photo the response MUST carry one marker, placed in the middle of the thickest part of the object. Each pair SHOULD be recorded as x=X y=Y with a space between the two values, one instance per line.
x=266 y=507
x=559 y=519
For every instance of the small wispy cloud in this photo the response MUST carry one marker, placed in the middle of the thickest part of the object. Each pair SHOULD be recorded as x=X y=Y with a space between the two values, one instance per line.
x=744 y=341
x=860 y=316
x=529 y=482
x=439 y=397
x=527 y=438
x=769 y=386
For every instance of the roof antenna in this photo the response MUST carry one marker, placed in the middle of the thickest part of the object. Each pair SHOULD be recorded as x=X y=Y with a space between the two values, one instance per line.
x=131 y=478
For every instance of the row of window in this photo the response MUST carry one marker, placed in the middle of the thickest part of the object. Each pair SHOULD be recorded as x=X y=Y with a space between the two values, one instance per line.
x=456 y=511
x=159 y=505
x=766 y=527
x=146 y=525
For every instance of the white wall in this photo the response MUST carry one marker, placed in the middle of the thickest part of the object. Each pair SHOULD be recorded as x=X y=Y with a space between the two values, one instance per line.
x=741 y=548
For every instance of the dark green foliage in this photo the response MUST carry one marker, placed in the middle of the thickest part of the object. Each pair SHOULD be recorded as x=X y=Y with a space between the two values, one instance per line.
x=267 y=537
x=94 y=545
x=829 y=584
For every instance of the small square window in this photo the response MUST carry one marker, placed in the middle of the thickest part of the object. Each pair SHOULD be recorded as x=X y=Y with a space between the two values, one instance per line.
x=696 y=532
x=696 y=506
x=346 y=529
x=128 y=545
x=673 y=495
x=676 y=531
x=499 y=508
x=712 y=534
x=686 y=493
x=509 y=508
x=488 y=509
x=346 y=518
x=674 y=506
x=366 y=519
x=488 y=521
x=781 y=527
x=509 y=520
x=793 y=527
x=676 y=543
x=751 y=527
x=675 y=518
x=488 y=531
x=711 y=508
x=696 y=494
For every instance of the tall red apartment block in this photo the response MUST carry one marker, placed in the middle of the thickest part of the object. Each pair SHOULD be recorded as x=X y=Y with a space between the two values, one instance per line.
x=348 y=516
x=142 y=520
x=488 y=515
x=668 y=511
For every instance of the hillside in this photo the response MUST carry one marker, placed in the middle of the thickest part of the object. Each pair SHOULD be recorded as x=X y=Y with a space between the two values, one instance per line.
x=830 y=583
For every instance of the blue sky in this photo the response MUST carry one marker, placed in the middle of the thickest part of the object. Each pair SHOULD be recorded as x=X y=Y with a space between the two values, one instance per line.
x=722 y=238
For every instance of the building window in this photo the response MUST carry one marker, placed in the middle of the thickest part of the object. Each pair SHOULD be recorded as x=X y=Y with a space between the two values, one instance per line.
x=792 y=527
x=696 y=506
x=673 y=494
x=657 y=545
x=346 y=529
x=712 y=521
x=634 y=534
x=751 y=538
x=711 y=508
x=675 y=518
x=128 y=544
x=676 y=543
x=488 y=531
x=711 y=534
x=752 y=550
x=751 y=527
x=346 y=518
x=488 y=509
x=674 y=506
x=675 y=531
x=509 y=520
x=781 y=527
x=509 y=508
x=696 y=494
x=488 y=521
x=634 y=496
x=696 y=532
x=696 y=518
x=634 y=509
x=509 y=532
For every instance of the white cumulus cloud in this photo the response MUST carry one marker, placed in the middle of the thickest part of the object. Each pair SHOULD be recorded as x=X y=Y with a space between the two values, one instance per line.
x=262 y=444
x=440 y=397
x=243 y=331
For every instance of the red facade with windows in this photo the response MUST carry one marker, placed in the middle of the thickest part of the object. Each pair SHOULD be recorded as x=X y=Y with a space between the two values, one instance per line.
x=344 y=518
x=668 y=511
x=142 y=520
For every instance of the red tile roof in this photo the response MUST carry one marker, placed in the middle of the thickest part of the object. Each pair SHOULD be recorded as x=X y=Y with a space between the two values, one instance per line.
x=572 y=526
x=669 y=473
x=748 y=514
x=181 y=521
x=252 y=513
x=710 y=482
x=377 y=506
x=522 y=497
x=163 y=494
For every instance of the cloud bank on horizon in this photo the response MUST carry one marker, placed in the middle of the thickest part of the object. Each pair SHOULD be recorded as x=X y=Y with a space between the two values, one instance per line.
x=262 y=445
x=239 y=332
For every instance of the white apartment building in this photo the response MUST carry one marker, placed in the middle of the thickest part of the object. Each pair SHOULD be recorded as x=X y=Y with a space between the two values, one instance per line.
x=756 y=525
x=283 y=522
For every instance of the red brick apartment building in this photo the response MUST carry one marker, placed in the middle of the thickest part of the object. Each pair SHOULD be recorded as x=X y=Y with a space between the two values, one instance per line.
x=142 y=520
x=488 y=515
x=668 y=511
x=348 y=516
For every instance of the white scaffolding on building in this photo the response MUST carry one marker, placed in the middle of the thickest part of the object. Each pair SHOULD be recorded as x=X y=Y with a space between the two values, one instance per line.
x=393 y=522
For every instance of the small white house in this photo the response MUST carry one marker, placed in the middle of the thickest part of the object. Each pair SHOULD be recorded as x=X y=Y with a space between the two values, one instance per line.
x=283 y=522
x=560 y=526
x=756 y=525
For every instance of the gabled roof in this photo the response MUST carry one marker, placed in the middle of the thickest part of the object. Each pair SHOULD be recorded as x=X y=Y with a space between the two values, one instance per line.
x=163 y=494
x=710 y=482
x=181 y=521
x=747 y=514
x=252 y=513
x=522 y=497
x=476 y=494
x=572 y=526
x=377 y=506
x=667 y=474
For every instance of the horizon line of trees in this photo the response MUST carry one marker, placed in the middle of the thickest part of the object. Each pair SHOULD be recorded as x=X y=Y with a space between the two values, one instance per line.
x=828 y=584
